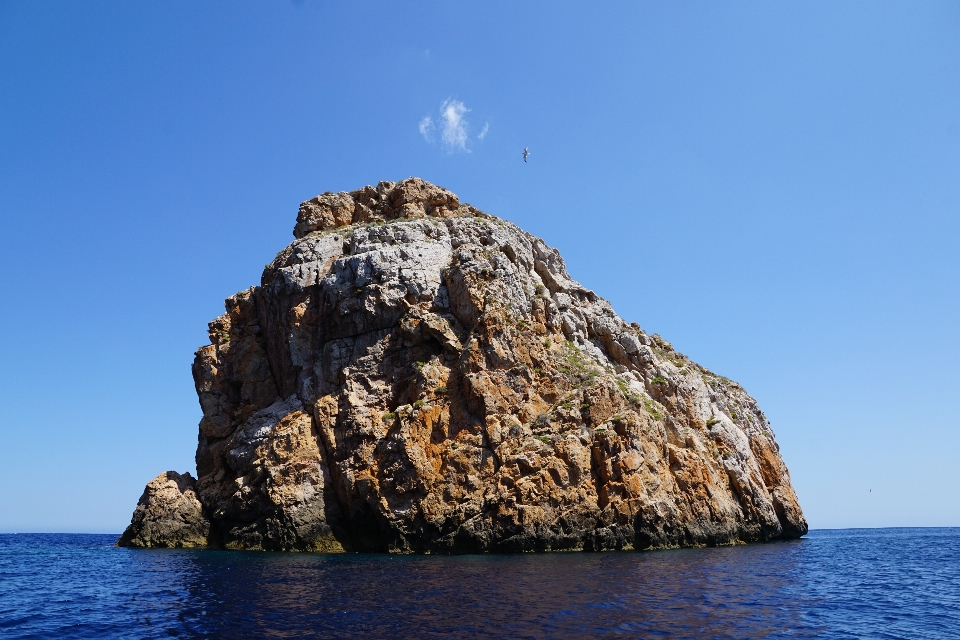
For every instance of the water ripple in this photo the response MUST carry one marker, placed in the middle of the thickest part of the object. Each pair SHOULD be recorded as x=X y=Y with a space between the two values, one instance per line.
x=861 y=583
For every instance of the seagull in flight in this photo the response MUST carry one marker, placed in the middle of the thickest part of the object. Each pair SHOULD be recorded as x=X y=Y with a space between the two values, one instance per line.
x=526 y=153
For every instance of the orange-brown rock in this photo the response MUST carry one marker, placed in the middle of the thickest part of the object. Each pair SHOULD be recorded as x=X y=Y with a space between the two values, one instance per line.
x=415 y=375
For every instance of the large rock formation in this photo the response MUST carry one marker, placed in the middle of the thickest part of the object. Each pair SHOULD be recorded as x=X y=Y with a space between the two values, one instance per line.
x=415 y=375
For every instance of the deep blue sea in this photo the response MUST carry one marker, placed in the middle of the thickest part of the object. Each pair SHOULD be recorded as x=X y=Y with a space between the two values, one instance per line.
x=854 y=583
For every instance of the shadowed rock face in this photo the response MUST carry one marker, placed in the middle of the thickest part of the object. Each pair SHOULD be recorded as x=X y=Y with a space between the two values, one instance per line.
x=415 y=375
x=168 y=515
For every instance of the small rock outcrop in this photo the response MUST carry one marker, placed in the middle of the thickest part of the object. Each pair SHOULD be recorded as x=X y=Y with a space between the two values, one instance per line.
x=168 y=515
x=415 y=375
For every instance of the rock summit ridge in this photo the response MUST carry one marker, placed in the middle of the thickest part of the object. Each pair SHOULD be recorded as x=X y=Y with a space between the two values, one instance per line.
x=415 y=375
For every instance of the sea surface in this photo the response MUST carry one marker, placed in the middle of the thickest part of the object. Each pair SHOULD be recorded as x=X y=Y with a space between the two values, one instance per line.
x=853 y=583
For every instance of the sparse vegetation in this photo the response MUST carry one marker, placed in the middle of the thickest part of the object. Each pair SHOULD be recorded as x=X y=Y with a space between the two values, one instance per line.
x=575 y=365
x=652 y=409
x=388 y=416
x=658 y=381
x=712 y=421
x=440 y=390
x=625 y=390
x=418 y=404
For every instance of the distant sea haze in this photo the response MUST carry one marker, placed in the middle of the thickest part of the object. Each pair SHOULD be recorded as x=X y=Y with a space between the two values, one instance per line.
x=851 y=583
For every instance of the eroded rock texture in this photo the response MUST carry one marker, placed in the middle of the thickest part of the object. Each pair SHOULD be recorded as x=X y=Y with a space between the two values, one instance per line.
x=415 y=375
x=168 y=515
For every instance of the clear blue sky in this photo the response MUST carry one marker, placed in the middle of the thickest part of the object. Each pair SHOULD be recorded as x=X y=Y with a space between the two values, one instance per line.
x=773 y=187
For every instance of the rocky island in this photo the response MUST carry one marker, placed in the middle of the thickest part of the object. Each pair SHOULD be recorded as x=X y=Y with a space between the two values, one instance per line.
x=415 y=375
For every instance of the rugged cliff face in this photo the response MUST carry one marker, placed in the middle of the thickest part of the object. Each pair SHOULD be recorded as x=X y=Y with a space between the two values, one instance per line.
x=415 y=375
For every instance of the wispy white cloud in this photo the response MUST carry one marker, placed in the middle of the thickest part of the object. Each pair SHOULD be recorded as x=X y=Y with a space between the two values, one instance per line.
x=426 y=128
x=453 y=127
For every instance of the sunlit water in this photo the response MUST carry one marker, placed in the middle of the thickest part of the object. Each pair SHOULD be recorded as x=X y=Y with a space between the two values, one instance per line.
x=861 y=583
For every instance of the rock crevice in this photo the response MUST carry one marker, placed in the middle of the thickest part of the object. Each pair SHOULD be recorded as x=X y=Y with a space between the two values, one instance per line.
x=414 y=375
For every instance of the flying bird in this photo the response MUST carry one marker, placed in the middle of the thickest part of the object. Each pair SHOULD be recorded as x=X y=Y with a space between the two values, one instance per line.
x=526 y=153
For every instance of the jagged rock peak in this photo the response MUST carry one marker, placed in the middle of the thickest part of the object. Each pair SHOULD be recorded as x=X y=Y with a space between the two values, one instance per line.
x=413 y=375
x=410 y=198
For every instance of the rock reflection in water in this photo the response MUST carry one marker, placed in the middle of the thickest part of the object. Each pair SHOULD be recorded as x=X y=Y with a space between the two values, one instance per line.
x=733 y=592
